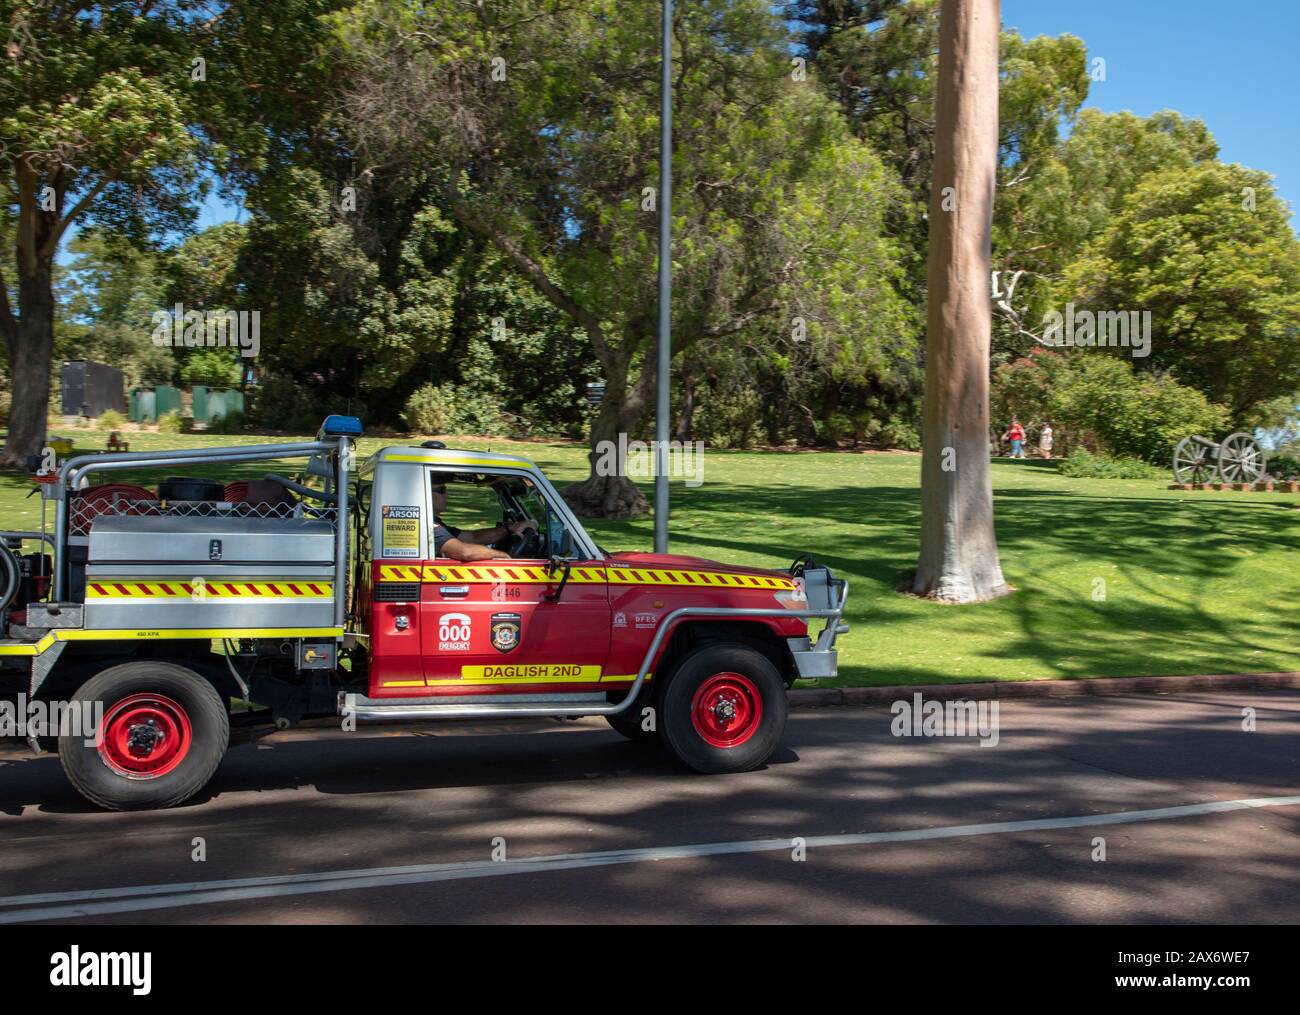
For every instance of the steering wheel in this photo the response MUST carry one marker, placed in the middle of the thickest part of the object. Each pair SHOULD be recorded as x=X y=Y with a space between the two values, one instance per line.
x=525 y=545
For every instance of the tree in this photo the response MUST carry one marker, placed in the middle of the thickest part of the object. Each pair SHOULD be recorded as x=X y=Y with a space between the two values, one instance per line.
x=106 y=296
x=535 y=126
x=1046 y=215
x=878 y=60
x=1210 y=253
x=94 y=123
x=959 y=558
x=1103 y=403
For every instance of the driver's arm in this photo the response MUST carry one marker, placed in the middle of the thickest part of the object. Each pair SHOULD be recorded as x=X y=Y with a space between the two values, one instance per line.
x=464 y=550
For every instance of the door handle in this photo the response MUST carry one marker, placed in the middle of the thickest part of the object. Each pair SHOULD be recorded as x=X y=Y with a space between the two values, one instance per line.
x=454 y=591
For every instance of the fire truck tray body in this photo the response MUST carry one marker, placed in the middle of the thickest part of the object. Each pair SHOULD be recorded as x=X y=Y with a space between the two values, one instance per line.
x=209 y=572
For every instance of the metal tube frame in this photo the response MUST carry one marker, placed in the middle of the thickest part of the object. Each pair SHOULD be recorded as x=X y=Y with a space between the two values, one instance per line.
x=379 y=713
x=664 y=351
x=72 y=469
x=342 y=533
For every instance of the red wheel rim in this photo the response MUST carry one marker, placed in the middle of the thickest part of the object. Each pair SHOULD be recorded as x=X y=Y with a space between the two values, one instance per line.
x=726 y=709
x=144 y=736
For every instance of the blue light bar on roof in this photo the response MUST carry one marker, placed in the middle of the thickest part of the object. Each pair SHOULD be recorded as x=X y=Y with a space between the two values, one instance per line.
x=341 y=426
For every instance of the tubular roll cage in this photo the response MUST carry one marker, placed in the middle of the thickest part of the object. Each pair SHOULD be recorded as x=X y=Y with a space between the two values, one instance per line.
x=74 y=468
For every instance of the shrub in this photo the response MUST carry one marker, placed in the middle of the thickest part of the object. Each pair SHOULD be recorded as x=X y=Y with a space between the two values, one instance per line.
x=212 y=368
x=898 y=434
x=428 y=410
x=281 y=403
x=728 y=420
x=1129 y=414
x=170 y=422
x=110 y=420
x=1284 y=466
x=452 y=408
x=231 y=422
x=477 y=412
x=1085 y=465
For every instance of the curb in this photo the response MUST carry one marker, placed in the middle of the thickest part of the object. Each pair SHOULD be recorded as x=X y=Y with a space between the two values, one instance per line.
x=832 y=697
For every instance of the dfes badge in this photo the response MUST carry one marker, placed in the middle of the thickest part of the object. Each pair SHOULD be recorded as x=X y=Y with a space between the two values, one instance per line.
x=505 y=631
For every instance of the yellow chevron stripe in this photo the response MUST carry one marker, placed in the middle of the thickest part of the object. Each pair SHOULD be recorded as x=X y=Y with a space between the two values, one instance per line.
x=399 y=573
x=239 y=588
x=533 y=574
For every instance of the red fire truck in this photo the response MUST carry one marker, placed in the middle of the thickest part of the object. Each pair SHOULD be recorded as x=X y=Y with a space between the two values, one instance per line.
x=321 y=593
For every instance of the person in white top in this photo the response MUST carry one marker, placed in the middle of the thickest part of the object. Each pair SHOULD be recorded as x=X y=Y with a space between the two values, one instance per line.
x=1045 y=440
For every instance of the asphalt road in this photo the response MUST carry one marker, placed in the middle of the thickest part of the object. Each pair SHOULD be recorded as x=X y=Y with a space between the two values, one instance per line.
x=401 y=827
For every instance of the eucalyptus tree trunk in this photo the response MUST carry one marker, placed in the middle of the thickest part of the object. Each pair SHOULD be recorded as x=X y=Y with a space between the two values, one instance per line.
x=959 y=553
x=29 y=341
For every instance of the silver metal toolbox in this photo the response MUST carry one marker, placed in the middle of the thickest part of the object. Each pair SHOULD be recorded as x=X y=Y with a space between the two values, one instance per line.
x=209 y=572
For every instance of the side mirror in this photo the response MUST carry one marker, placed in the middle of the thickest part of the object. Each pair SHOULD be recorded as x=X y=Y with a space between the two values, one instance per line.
x=552 y=566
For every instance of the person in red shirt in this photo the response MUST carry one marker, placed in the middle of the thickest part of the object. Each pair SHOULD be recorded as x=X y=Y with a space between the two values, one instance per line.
x=1016 y=435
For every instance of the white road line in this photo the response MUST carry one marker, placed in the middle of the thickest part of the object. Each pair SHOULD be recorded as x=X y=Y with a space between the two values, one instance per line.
x=139 y=898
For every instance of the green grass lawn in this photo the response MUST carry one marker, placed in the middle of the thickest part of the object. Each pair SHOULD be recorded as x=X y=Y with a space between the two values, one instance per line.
x=1193 y=582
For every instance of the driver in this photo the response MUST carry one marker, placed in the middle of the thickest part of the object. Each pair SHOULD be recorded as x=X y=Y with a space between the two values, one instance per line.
x=449 y=541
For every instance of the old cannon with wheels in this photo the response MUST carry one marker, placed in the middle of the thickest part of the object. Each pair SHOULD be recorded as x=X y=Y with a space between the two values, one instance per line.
x=1238 y=458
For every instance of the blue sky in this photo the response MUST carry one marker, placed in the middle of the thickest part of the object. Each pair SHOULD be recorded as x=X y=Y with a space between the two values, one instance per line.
x=1233 y=65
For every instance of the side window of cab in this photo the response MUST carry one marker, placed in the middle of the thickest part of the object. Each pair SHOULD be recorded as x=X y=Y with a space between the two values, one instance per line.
x=559 y=541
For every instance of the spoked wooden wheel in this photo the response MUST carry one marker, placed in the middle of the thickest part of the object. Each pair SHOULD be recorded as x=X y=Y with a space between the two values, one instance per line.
x=1241 y=460
x=1195 y=461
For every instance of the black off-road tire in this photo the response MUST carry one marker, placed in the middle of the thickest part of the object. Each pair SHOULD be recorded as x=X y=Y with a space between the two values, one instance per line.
x=628 y=723
x=88 y=766
x=723 y=672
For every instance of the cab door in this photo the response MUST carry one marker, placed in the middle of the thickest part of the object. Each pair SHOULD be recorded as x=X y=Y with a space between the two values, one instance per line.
x=505 y=626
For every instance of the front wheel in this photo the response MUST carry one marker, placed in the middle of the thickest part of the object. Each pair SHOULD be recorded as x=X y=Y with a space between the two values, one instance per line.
x=161 y=735
x=635 y=723
x=724 y=709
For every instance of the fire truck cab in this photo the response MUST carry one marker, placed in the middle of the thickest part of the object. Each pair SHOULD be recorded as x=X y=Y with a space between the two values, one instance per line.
x=182 y=609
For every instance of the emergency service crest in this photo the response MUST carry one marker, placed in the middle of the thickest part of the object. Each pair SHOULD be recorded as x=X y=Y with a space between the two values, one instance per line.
x=505 y=631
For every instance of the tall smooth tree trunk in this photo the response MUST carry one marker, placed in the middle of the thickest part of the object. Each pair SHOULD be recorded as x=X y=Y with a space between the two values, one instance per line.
x=29 y=341
x=959 y=553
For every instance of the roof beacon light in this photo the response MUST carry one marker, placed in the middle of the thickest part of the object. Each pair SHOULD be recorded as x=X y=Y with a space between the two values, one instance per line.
x=341 y=426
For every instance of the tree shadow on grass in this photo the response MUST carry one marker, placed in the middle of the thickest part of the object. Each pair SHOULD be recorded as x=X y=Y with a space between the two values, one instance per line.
x=1164 y=559
x=1164 y=562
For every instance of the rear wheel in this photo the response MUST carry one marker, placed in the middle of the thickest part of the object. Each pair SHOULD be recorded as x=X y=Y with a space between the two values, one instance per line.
x=724 y=709
x=163 y=732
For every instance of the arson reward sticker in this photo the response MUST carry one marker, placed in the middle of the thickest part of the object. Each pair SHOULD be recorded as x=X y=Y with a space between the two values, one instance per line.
x=401 y=535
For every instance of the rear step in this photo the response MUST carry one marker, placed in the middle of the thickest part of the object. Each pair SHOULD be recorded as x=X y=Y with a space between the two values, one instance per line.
x=366 y=709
